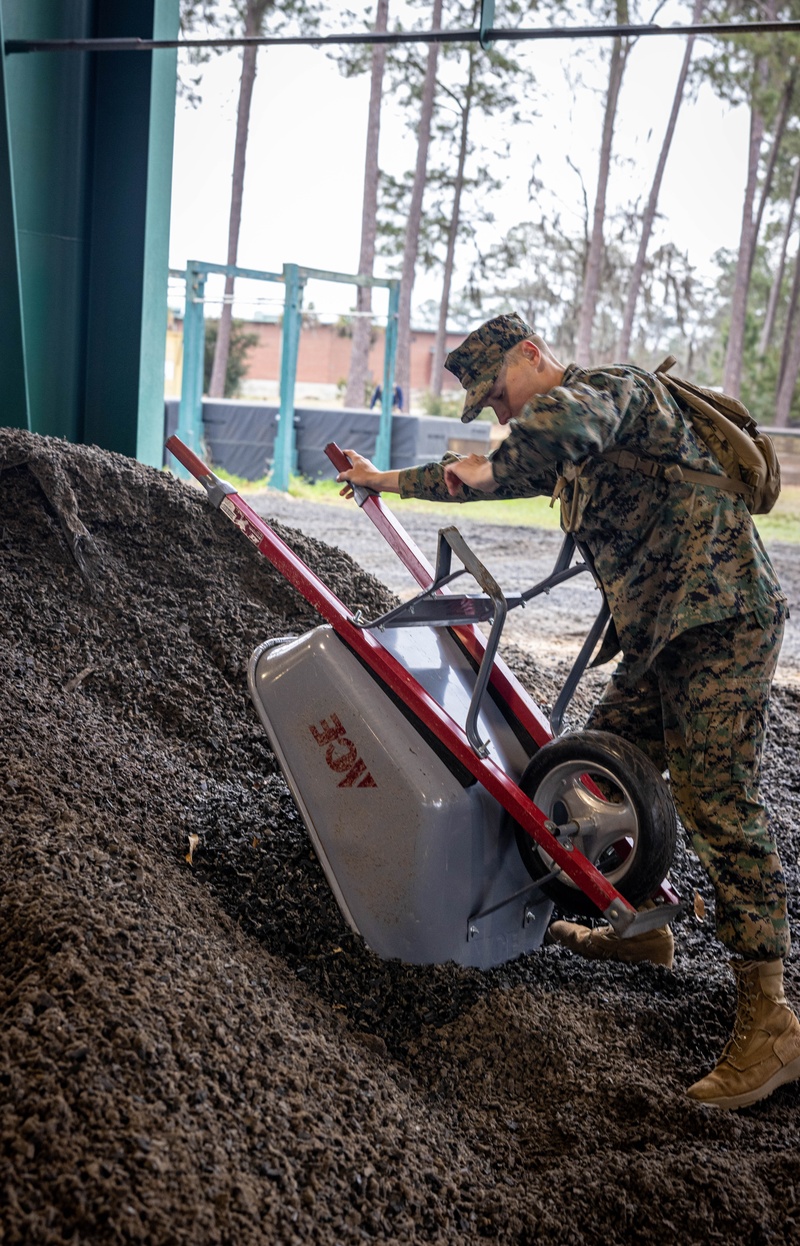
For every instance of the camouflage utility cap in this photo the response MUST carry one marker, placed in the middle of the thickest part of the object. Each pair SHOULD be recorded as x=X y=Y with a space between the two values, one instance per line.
x=479 y=358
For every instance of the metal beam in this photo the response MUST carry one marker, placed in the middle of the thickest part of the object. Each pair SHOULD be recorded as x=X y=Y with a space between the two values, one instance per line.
x=133 y=123
x=13 y=372
x=487 y=22
x=484 y=35
x=49 y=101
x=85 y=181
x=190 y=412
x=383 y=443
x=283 y=464
x=228 y=270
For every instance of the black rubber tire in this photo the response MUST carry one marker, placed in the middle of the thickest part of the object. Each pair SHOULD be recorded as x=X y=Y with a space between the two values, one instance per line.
x=639 y=806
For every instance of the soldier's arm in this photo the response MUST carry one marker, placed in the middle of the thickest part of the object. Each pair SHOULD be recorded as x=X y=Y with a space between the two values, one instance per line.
x=429 y=482
x=363 y=472
x=570 y=422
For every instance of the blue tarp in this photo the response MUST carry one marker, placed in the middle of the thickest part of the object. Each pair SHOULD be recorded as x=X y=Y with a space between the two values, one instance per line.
x=240 y=436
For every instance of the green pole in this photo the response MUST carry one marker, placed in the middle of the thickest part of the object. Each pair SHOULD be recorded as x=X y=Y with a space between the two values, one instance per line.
x=13 y=370
x=190 y=414
x=487 y=23
x=284 y=456
x=126 y=271
x=155 y=243
x=383 y=444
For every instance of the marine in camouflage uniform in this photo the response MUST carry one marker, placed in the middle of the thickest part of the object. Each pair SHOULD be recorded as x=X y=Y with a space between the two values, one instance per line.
x=698 y=611
x=699 y=616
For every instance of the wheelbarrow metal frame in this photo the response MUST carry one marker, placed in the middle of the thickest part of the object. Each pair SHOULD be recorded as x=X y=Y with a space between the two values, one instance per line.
x=614 y=907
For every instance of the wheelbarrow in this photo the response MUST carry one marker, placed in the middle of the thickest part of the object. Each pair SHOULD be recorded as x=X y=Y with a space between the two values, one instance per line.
x=448 y=815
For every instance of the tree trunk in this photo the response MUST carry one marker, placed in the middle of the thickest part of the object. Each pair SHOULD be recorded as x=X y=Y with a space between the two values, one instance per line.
x=777 y=282
x=252 y=25
x=790 y=356
x=437 y=360
x=594 y=259
x=403 y=369
x=769 y=172
x=649 y=217
x=362 y=325
x=732 y=377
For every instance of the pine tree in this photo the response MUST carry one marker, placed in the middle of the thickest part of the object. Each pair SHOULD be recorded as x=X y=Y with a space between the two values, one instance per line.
x=648 y=219
x=362 y=325
x=250 y=18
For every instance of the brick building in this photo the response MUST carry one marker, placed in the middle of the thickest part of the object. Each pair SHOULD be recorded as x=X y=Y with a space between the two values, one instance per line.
x=324 y=359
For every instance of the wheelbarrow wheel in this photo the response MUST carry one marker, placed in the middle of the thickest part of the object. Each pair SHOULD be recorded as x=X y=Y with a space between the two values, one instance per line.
x=626 y=823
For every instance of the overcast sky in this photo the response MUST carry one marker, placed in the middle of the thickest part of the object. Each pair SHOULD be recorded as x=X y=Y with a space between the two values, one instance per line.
x=305 y=162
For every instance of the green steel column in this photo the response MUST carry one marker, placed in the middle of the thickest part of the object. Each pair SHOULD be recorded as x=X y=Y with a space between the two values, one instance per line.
x=383 y=444
x=133 y=113
x=153 y=345
x=190 y=417
x=49 y=109
x=487 y=22
x=284 y=458
x=13 y=372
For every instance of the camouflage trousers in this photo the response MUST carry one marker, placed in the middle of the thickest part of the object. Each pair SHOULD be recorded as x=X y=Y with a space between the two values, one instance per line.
x=700 y=712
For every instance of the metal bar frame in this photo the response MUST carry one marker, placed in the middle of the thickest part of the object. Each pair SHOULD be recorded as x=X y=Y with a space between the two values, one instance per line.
x=190 y=419
x=283 y=458
x=383 y=444
x=293 y=278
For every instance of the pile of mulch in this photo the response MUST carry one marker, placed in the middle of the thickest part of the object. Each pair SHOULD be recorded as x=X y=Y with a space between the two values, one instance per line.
x=195 y=1048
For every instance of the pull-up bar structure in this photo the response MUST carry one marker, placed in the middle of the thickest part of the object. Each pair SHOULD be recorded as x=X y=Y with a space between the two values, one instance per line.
x=293 y=278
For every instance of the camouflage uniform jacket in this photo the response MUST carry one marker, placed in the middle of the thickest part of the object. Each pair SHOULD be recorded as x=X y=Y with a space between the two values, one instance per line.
x=669 y=555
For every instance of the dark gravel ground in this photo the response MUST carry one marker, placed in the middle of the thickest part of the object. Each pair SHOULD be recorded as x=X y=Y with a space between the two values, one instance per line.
x=198 y=1050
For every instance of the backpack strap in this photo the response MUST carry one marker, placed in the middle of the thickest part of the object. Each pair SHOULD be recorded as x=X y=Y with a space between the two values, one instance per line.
x=673 y=472
x=736 y=428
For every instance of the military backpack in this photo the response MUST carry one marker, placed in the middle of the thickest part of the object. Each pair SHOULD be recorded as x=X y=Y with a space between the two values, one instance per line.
x=727 y=428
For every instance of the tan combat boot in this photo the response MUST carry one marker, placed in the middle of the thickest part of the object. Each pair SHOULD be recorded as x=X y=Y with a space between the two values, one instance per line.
x=764 y=1051
x=603 y=943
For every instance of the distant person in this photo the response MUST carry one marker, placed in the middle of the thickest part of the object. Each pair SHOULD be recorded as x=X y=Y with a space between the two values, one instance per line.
x=699 y=614
x=397 y=397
